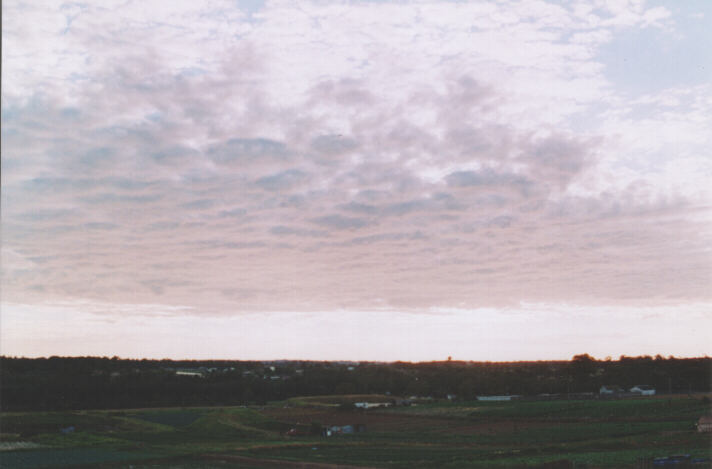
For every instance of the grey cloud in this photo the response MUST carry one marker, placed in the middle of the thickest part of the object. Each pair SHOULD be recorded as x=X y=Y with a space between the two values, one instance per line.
x=155 y=287
x=100 y=226
x=292 y=201
x=70 y=113
x=345 y=92
x=557 y=159
x=122 y=132
x=359 y=208
x=403 y=208
x=377 y=176
x=64 y=228
x=173 y=153
x=282 y=230
x=125 y=183
x=372 y=195
x=244 y=245
x=97 y=157
x=247 y=150
x=233 y=213
x=484 y=271
x=60 y=184
x=55 y=184
x=282 y=181
x=45 y=214
x=43 y=259
x=486 y=177
x=213 y=244
x=439 y=201
x=560 y=153
x=239 y=293
x=120 y=198
x=503 y=221
x=484 y=142
x=492 y=199
x=333 y=144
x=158 y=286
x=469 y=92
x=199 y=204
x=162 y=225
x=340 y=222
x=418 y=235
x=500 y=221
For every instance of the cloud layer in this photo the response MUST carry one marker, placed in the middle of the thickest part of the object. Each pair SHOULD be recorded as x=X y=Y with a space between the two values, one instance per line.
x=351 y=156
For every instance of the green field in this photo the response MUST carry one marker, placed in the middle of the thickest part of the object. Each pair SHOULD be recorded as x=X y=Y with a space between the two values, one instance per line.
x=440 y=434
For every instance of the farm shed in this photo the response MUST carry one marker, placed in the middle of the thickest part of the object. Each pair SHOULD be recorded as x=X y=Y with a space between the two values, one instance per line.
x=344 y=429
x=371 y=405
x=191 y=372
x=704 y=424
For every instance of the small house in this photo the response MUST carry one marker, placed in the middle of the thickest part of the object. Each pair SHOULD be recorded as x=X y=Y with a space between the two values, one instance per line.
x=610 y=390
x=643 y=390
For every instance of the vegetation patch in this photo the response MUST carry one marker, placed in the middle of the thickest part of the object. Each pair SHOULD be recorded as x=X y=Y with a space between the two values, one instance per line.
x=172 y=418
x=67 y=457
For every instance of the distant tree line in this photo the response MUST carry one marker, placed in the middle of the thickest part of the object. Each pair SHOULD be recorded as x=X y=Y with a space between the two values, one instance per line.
x=59 y=383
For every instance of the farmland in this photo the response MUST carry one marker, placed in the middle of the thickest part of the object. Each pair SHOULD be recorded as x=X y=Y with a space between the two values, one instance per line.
x=591 y=433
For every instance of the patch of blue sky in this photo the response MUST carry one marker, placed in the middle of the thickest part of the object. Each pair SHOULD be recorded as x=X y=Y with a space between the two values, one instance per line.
x=122 y=131
x=25 y=116
x=55 y=184
x=69 y=18
x=9 y=113
x=70 y=113
x=125 y=183
x=191 y=72
x=45 y=214
x=97 y=157
x=6 y=131
x=154 y=117
x=588 y=118
x=650 y=59
x=77 y=77
x=250 y=7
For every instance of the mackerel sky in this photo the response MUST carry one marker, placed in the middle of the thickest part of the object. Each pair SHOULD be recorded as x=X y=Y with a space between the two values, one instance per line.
x=356 y=180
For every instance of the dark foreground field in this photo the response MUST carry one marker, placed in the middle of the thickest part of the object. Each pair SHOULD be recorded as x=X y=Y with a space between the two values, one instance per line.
x=615 y=433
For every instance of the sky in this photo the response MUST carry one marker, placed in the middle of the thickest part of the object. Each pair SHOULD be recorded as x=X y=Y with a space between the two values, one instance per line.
x=366 y=180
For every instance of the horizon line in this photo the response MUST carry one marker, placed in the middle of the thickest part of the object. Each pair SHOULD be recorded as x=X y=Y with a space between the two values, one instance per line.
x=446 y=360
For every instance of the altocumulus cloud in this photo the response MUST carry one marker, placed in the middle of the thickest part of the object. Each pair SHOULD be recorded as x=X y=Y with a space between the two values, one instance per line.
x=416 y=156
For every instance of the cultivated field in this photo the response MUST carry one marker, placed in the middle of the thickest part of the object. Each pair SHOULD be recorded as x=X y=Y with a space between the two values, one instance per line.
x=615 y=433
